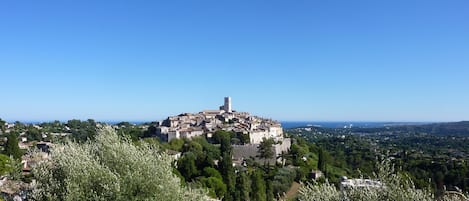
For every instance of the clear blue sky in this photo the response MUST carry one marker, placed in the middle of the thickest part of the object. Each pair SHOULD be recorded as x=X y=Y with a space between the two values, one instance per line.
x=386 y=60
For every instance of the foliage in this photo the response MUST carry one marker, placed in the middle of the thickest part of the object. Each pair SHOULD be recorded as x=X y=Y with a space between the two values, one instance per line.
x=186 y=166
x=212 y=172
x=227 y=170
x=176 y=144
x=11 y=146
x=197 y=167
x=82 y=130
x=269 y=189
x=282 y=180
x=15 y=169
x=135 y=133
x=242 y=187
x=33 y=134
x=226 y=166
x=320 y=192
x=321 y=160
x=265 y=149
x=431 y=158
x=109 y=168
x=396 y=187
x=258 y=192
x=2 y=125
x=5 y=165
x=215 y=185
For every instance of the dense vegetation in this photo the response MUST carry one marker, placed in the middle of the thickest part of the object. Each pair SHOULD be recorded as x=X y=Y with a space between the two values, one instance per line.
x=424 y=160
x=432 y=160
x=108 y=168
x=210 y=165
x=395 y=187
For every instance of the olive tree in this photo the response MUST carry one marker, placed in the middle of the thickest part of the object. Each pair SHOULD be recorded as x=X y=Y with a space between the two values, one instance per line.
x=395 y=187
x=109 y=168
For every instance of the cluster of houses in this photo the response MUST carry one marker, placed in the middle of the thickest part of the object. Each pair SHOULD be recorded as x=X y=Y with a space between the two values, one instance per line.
x=207 y=122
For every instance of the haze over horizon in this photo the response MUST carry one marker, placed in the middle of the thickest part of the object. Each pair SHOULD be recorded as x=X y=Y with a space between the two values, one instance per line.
x=286 y=60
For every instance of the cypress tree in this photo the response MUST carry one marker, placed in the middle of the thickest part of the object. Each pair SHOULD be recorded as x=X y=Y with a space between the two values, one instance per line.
x=11 y=147
x=226 y=167
x=268 y=184
x=321 y=160
x=258 y=186
x=228 y=175
x=242 y=187
x=2 y=125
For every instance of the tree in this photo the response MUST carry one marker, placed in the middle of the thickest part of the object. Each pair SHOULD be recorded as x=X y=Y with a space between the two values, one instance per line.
x=81 y=130
x=212 y=172
x=321 y=160
x=2 y=125
x=269 y=189
x=226 y=165
x=33 y=134
x=224 y=138
x=266 y=151
x=242 y=187
x=109 y=168
x=282 y=180
x=228 y=175
x=19 y=125
x=395 y=187
x=244 y=138
x=5 y=166
x=187 y=167
x=258 y=186
x=215 y=185
x=11 y=147
x=176 y=144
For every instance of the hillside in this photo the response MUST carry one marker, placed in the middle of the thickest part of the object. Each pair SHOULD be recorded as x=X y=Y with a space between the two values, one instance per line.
x=449 y=128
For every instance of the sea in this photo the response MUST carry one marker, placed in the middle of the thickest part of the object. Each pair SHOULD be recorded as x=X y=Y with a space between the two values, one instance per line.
x=296 y=124
x=345 y=124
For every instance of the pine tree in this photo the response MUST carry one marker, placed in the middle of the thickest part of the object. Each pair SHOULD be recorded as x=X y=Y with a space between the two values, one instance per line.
x=266 y=151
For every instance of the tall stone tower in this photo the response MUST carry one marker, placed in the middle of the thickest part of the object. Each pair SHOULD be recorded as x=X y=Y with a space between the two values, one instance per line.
x=227 y=106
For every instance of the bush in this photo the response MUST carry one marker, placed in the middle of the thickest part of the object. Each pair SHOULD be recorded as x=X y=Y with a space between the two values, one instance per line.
x=109 y=168
x=396 y=187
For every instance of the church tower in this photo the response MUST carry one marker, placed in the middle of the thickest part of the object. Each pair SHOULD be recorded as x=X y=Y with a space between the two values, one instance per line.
x=227 y=106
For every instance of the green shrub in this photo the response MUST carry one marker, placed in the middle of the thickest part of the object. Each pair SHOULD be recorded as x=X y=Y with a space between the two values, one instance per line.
x=396 y=187
x=109 y=168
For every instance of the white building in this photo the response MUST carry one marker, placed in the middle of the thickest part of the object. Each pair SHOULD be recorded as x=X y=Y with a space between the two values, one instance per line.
x=353 y=183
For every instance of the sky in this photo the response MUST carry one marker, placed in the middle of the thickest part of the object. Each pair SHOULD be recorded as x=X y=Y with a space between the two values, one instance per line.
x=387 y=60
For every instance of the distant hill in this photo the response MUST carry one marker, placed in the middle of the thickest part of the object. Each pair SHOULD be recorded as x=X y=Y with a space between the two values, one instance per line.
x=450 y=128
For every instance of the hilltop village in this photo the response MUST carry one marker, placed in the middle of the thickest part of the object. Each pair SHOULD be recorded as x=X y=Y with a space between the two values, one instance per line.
x=205 y=123
x=189 y=125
